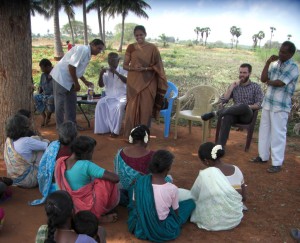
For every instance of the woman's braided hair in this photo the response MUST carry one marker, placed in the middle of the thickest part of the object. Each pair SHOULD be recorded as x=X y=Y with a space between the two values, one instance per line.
x=59 y=206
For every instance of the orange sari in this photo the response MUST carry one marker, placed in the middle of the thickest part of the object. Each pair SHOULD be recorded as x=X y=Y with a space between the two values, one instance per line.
x=145 y=90
x=99 y=196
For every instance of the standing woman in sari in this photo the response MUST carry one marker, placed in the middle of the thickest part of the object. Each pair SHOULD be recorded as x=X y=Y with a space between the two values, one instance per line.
x=146 y=81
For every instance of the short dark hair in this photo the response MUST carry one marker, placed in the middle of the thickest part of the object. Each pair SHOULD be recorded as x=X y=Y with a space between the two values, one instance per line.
x=45 y=63
x=67 y=132
x=247 y=65
x=139 y=132
x=24 y=112
x=113 y=55
x=291 y=46
x=205 y=149
x=85 y=222
x=97 y=42
x=141 y=28
x=83 y=145
x=161 y=161
x=17 y=126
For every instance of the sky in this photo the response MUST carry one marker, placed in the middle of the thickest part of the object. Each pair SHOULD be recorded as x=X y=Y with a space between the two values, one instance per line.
x=179 y=18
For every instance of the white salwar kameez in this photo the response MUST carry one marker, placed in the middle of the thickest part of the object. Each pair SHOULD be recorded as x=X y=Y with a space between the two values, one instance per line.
x=218 y=205
x=110 y=109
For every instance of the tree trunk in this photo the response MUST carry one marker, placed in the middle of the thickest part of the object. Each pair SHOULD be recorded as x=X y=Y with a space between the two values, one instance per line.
x=15 y=61
x=122 y=33
x=99 y=21
x=86 y=41
x=72 y=32
x=58 y=50
x=103 y=36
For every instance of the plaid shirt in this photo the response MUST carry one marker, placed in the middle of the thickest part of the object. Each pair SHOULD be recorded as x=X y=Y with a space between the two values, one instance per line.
x=280 y=98
x=250 y=94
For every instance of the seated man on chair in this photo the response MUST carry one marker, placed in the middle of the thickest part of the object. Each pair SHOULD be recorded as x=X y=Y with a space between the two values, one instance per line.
x=246 y=95
x=110 y=109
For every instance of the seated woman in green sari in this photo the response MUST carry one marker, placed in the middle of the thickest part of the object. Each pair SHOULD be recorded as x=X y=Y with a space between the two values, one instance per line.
x=155 y=213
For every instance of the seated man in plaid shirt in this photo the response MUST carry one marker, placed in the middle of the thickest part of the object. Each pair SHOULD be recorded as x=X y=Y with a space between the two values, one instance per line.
x=246 y=95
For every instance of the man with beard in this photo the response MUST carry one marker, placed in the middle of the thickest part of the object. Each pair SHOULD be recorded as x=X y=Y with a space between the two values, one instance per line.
x=280 y=74
x=246 y=95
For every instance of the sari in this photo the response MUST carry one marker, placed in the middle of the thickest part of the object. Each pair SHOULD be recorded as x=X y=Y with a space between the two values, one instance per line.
x=126 y=173
x=46 y=171
x=143 y=219
x=218 y=205
x=99 y=196
x=23 y=173
x=145 y=90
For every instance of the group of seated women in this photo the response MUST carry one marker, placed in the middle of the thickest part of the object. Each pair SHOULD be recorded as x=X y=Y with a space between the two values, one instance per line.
x=157 y=208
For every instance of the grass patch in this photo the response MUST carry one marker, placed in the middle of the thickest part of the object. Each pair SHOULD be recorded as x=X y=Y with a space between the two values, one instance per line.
x=187 y=66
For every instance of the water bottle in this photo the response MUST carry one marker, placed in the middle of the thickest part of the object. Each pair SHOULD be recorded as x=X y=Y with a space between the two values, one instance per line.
x=90 y=93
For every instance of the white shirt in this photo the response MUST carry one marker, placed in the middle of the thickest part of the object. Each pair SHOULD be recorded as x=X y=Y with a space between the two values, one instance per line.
x=79 y=56
x=26 y=145
x=114 y=87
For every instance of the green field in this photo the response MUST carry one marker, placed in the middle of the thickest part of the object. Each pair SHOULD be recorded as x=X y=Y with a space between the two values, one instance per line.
x=186 y=66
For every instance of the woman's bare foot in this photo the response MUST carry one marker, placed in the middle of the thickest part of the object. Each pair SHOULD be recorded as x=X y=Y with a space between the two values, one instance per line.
x=108 y=218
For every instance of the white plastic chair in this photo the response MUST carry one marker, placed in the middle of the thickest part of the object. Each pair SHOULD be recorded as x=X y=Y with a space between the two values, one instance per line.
x=205 y=97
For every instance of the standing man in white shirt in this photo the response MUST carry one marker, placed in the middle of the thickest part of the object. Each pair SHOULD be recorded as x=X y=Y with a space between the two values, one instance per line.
x=65 y=75
x=110 y=109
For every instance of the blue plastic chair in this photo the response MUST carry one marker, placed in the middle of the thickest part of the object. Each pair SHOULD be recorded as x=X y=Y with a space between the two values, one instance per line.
x=171 y=95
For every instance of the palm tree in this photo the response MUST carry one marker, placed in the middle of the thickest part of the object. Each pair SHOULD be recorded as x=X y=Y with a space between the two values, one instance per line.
x=36 y=6
x=272 y=30
x=197 y=31
x=238 y=33
x=207 y=32
x=86 y=41
x=101 y=6
x=289 y=36
x=260 y=36
x=53 y=7
x=15 y=61
x=123 y=7
x=202 y=30
x=96 y=5
x=69 y=10
x=232 y=31
x=254 y=38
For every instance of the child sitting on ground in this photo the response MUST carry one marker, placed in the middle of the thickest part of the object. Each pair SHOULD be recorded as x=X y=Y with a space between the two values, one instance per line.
x=85 y=222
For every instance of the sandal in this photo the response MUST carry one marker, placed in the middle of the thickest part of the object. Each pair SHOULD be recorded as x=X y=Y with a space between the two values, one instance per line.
x=295 y=233
x=274 y=169
x=258 y=160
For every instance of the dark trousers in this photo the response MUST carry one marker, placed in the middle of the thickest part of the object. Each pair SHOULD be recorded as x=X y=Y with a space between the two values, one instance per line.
x=240 y=113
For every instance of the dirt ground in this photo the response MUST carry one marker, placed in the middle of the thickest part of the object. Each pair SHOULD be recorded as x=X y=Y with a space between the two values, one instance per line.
x=273 y=199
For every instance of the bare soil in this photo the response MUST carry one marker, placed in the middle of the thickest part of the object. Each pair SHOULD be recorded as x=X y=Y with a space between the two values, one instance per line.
x=273 y=199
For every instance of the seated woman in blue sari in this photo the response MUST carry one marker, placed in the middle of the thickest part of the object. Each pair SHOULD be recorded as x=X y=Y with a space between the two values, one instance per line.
x=133 y=161
x=155 y=213
x=67 y=132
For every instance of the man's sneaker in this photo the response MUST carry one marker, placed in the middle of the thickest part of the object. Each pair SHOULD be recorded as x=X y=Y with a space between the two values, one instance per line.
x=274 y=169
x=207 y=116
x=258 y=160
